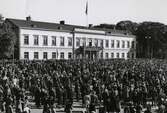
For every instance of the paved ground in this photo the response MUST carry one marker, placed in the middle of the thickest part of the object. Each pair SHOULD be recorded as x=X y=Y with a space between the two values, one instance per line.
x=75 y=111
x=40 y=111
x=77 y=108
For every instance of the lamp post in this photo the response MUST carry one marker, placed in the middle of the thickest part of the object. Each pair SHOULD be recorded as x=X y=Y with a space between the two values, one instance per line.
x=73 y=43
x=13 y=52
x=148 y=38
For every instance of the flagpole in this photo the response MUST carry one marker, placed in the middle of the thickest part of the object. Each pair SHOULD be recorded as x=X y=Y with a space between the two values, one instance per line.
x=87 y=21
x=86 y=13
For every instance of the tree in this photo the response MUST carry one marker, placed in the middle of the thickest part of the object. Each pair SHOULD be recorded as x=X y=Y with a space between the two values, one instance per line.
x=106 y=26
x=6 y=45
x=128 y=26
x=151 y=39
x=7 y=41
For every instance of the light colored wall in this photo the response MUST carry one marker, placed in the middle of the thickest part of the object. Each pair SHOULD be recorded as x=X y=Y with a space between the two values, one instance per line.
x=110 y=50
x=31 y=48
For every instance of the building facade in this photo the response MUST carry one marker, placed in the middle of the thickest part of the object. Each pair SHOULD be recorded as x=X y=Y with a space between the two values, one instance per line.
x=41 y=40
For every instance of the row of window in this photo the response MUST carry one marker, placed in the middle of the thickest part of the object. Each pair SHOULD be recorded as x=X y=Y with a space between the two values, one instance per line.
x=118 y=55
x=45 y=55
x=55 y=55
x=78 y=42
x=97 y=42
x=45 y=40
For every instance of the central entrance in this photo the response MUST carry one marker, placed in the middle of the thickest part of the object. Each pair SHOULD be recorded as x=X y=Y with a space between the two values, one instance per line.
x=88 y=52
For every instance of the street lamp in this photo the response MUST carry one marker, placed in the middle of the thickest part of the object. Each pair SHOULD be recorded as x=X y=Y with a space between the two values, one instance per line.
x=148 y=46
x=73 y=43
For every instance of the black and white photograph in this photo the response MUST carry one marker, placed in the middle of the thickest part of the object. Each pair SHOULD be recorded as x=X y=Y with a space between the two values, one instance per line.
x=83 y=56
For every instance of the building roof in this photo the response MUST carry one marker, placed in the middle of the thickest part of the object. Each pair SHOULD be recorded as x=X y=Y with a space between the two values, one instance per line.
x=38 y=24
x=57 y=26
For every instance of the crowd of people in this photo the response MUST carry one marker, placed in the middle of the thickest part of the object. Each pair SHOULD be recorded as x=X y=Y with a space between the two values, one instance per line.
x=109 y=85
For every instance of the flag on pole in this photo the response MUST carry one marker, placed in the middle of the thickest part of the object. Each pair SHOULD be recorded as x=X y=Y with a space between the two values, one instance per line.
x=86 y=11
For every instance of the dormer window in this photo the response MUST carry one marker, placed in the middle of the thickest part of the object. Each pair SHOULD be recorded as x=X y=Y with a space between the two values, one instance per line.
x=59 y=28
x=32 y=25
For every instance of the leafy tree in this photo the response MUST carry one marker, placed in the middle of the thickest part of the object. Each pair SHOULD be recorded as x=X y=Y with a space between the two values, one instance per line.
x=7 y=41
x=107 y=26
x=6 y=45
x=151 y=39
x=128 y=26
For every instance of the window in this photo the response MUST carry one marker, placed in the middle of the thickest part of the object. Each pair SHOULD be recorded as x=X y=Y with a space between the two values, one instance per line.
x=101 y=43
x=112 y=55
x=117 y=55
x=69 y=41
x=101 y=55
x=77 y=42
x=128 y=44
x=35 y=55
x=118 y=43
x=133 y=55
x=45 y=40
x=123 y=44
x=53 y=55
x=69 y=55
x=26 y=55
x=107 y=43
x=36 y=37
x=96 y=43
x=62 y=55
x=45 y=55
x=53 y=40
x=128 y=55
x=90 y=42
x=61 y=41
x=106 y=55
x=112 y=43
x=133 y=44
x=83 y=41
x=123 y=55
x=26 y=39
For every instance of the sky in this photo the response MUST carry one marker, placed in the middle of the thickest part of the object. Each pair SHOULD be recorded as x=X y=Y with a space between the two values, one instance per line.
x=73 y=11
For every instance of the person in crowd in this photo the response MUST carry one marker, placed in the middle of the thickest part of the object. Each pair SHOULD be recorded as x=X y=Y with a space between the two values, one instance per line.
x=87 y=100
x=26 y=109
x=93 y=102
x=8 y=104
x=138 y=108
x=148 y=110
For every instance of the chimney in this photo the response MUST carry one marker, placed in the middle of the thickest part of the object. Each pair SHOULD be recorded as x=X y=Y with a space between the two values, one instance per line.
x=90 y=25
x=28 y=18
x=62 y=22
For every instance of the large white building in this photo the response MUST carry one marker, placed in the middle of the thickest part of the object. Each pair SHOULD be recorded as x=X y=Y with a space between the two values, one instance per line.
x=42 y=40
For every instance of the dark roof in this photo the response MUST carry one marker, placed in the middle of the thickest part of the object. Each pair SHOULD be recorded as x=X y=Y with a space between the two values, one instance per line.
x=43 y=25
x=56 y=26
